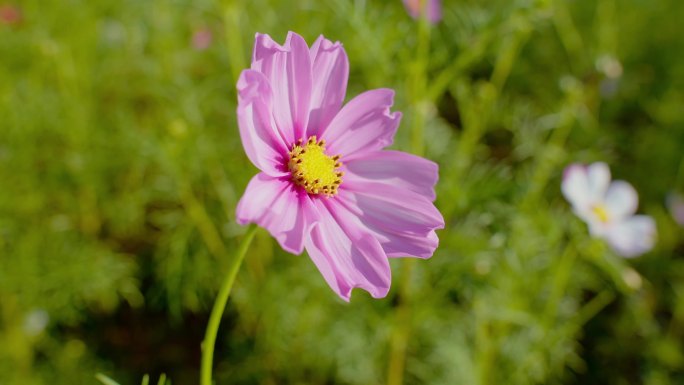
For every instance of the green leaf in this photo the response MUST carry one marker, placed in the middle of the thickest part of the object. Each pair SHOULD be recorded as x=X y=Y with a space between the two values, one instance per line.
x=105 y=380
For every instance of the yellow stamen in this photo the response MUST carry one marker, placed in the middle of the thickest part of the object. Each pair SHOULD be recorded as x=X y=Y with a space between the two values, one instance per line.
x=313 y=169
x=601 y=212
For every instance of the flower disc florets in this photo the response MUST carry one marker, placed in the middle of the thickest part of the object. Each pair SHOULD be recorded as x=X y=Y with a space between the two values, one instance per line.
x=601 y=213
x=313 y=169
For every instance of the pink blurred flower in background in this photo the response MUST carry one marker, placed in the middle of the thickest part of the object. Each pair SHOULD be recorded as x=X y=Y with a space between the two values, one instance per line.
x=416 y=8
x=202 y=39
x=326 y=184
x=608 y=208
x=675 y=202
x=10 y=14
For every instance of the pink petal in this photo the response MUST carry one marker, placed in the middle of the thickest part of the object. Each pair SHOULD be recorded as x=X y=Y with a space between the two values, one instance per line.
x=434 y=12
x=345 y=255
x=288 y=70
x=397 y=168
x=261 y=140
x=408 y=245
x=365 y=124
x=202 y=39
x=330 y=73
x=260 y=146
x=434 y=9
x=621 y=200
x=633 y=236
x=274 y=204
x=253 y=85
x=402 y=220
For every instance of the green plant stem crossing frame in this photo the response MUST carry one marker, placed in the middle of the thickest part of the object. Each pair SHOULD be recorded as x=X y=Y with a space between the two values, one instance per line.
x=220 y=306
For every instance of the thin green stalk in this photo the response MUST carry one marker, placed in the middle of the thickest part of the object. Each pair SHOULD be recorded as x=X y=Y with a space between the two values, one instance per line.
x=402 y=329
x=401 y=332
x=219 y=307
x=680 y=174
x=232 y=20
x=567 y=31
x=508 y=55
x=593 y=307
x=485 y=344
x=419 y=85
x=560 y=281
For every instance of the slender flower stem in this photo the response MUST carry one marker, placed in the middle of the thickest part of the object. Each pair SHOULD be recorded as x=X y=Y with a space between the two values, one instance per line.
x=559 y=286
x=402 y=328
x=219 y=307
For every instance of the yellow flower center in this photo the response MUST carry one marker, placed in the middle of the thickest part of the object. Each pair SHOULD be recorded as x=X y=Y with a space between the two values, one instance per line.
x=601 y=212
x=313 y=169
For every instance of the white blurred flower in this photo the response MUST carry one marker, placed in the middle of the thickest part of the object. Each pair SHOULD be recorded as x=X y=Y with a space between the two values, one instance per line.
x=675 y=203
x=612 y=70
x=36 y=321
x=610 y=66
x=608 y=208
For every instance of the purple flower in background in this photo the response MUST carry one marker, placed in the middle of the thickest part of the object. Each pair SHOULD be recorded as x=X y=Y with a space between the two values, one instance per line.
x=675 y=203
x=416 y=8
x=326 y=184
x=608 y=208
x=202 y=39
x=10 y=14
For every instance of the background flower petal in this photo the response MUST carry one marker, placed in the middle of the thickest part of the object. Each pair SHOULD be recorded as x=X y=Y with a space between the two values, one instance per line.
x=599 y=180
x=434 y=9
x=675 y=203
x=274 y=204
x=345 y=256
x=575 y=187
x=633 y=236
x=330 y=71
x=288 y=70
x=397 y=168
x=621 y=200
x=365 y=124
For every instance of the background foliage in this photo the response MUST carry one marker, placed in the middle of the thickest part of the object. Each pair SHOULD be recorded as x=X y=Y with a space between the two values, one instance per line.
x=120 y=168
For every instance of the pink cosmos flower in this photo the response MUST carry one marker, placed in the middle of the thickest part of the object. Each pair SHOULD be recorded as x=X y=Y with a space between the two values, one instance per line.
x=416 y=8
x=326 y=184
x=202 y=39
x=608 y=208
x=10 y=14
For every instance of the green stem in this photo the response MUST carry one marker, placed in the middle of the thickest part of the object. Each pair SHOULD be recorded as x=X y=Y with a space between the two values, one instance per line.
x=559 y=285
x=219 y=307
x=401 y=332
x=402 y=328
x=419 y=83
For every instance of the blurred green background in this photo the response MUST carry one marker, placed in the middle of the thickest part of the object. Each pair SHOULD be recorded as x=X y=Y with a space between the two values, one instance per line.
x=121 y=165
